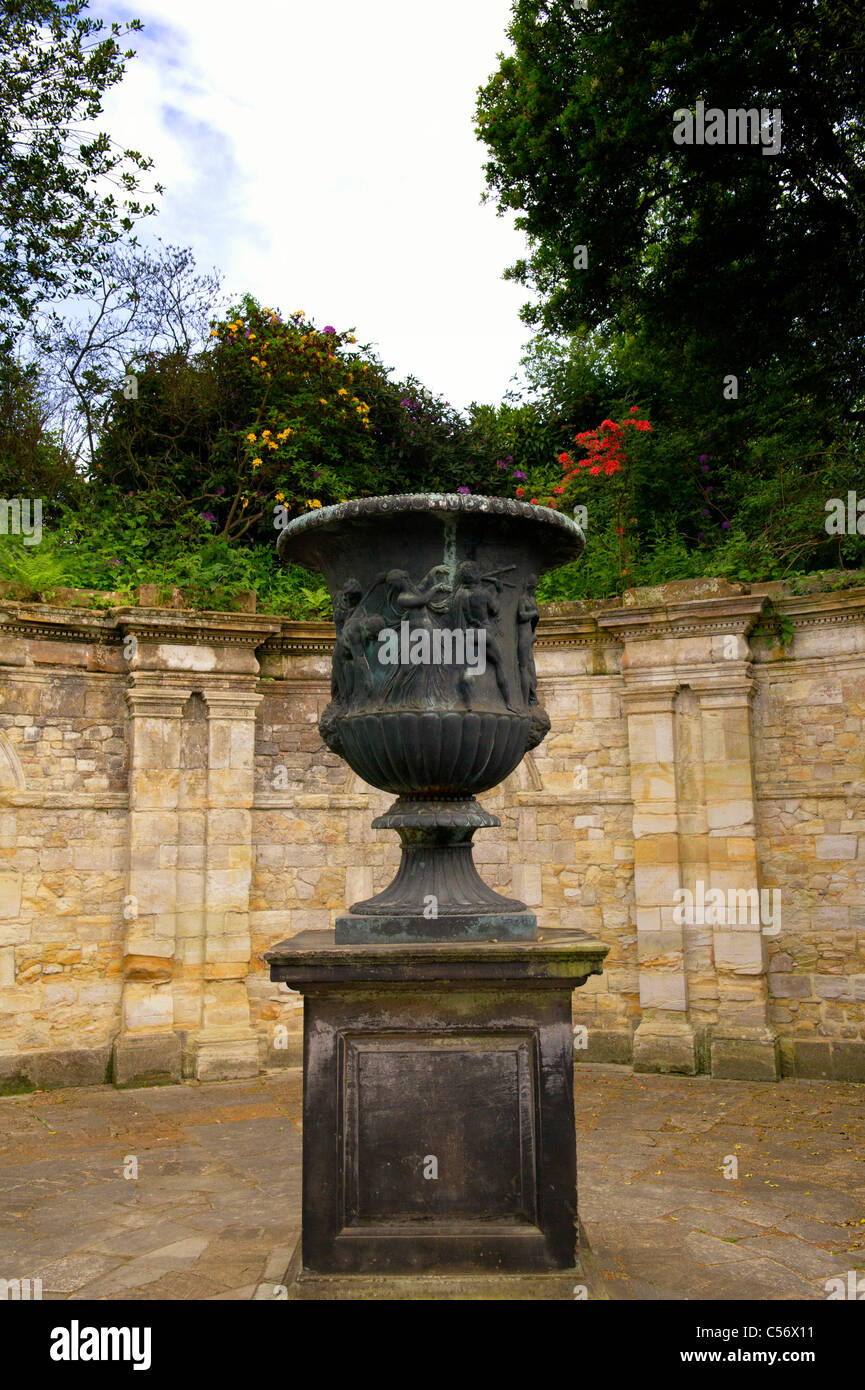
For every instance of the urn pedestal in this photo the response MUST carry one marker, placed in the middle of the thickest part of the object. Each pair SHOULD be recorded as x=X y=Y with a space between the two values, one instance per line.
x=438 y=1114
x=439 y=1136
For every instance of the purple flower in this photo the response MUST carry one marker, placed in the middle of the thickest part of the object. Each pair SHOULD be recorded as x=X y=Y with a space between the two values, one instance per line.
x=700 y=535
x=518 y=473
x=705 y=468
x=329 y=328
x=405 y=402
x=316 y=474
x=464 y=489
x=500 y=463
x=130 y=493
x=725 y=525
x=114 y=562
x=704 y=458
x=704 y=511
x=207 y=516
x=509 y=457
x=220 y=491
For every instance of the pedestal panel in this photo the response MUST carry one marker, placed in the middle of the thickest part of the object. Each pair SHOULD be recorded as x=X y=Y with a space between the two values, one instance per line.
x=438 y=1103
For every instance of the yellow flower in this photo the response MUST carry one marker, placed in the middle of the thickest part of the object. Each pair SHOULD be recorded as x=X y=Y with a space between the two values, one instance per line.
x=322 y=401
x=213 y=333
x=271 y=444
x=253 y=359
x=256 y=463
x=280 y=496
x=352 y=338
x=251 y=438
x=265 y=433
x=313 y=502
x=342 y=391
x=252 y=337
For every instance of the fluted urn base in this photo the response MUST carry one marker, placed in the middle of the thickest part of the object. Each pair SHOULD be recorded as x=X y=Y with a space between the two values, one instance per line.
x=437 y=894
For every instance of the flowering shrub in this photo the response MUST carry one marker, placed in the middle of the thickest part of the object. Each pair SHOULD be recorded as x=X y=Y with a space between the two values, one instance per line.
x=605 y=451
x=274 y=412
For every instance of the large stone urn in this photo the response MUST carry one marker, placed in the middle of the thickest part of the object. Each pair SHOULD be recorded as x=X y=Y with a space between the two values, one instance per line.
x=434 y=693
x=438 y=1132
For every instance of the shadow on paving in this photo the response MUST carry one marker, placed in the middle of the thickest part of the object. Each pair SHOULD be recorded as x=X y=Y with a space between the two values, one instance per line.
x=211 y=1206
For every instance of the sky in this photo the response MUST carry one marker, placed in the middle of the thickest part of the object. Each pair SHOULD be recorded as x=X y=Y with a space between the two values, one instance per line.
x=323 y=156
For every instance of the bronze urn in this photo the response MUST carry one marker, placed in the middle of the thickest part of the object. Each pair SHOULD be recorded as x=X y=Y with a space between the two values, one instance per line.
x=433 y=687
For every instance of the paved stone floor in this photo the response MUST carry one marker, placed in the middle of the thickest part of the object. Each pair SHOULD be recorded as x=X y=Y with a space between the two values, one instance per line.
x=215 y=1208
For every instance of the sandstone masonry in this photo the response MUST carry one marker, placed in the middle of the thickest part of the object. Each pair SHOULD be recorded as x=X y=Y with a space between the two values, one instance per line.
x=168 y=812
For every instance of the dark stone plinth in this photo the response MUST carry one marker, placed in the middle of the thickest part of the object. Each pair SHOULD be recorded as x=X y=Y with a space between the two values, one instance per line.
x=438 y=1103
x=585 y=1282
x=352 y=929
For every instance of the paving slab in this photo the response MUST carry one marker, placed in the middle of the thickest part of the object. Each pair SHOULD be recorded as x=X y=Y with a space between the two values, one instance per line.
x=214 y=1212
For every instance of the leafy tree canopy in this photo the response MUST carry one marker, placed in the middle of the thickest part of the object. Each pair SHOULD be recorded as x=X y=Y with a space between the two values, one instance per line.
x=56 y=214
x=744 y=256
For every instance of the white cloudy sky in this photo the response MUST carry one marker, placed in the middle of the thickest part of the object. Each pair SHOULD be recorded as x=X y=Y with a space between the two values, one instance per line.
x=322 y=154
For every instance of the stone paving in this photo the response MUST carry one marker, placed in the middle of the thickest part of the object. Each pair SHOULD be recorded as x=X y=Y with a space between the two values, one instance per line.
x=214 y=1211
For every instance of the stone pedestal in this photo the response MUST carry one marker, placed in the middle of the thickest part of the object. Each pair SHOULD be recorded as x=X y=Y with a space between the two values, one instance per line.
x=438 y=1129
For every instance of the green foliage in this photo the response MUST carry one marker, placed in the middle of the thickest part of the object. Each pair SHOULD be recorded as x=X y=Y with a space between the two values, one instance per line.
x=56 y=215
x=32 y=571
x=742 y=259
x=33 y=462
x=275 y=412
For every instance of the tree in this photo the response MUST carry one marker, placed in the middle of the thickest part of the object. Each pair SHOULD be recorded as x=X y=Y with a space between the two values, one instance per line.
x=275 y=411
x=738 y=256
x=142 y=304
x=33 y=461
x=56 y=65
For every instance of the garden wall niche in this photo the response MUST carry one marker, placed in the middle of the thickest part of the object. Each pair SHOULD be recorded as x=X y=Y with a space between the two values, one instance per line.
x=168 y=812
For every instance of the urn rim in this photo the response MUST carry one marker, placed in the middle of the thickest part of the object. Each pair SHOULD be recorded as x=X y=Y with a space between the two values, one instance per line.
x=571 y=538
